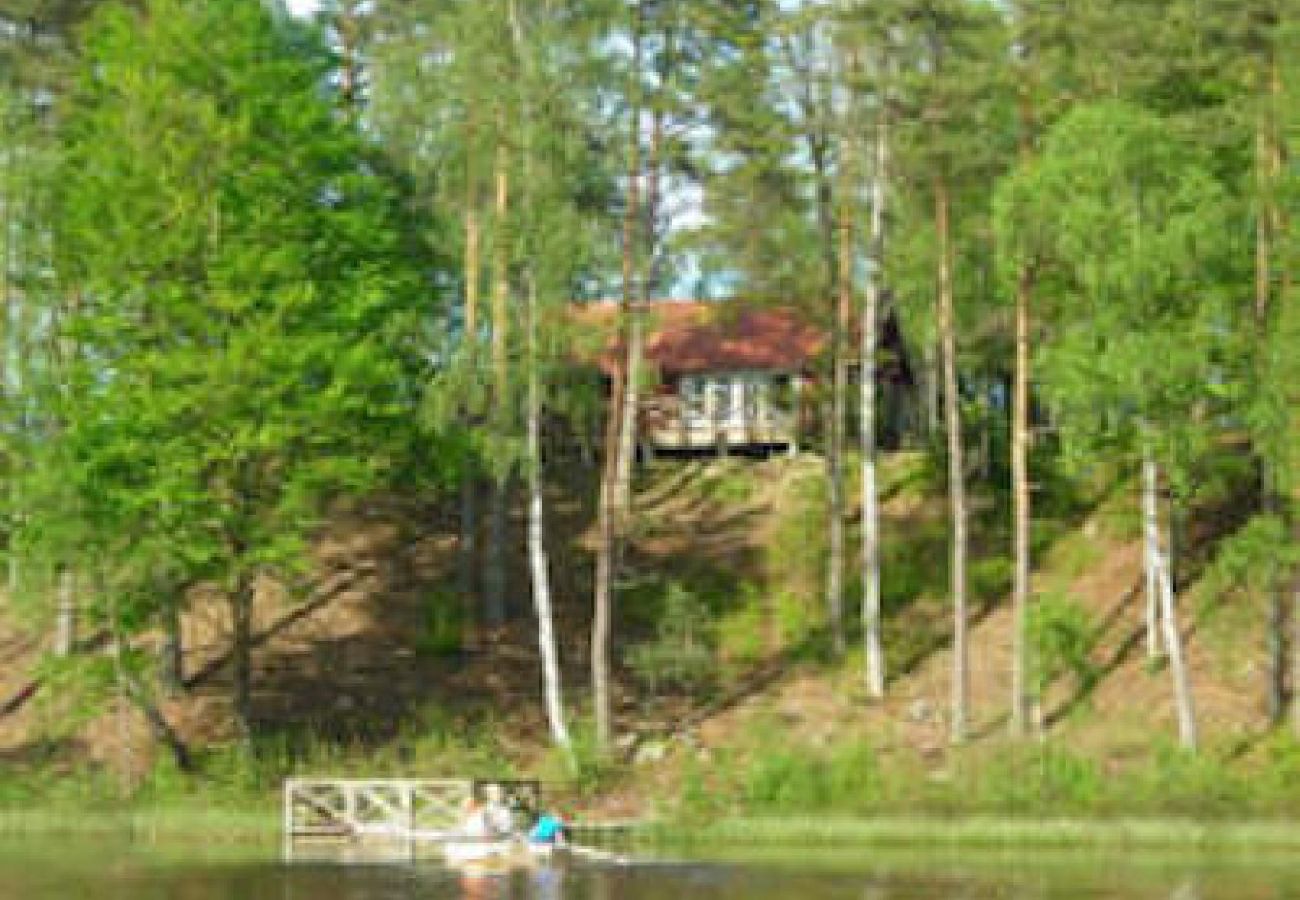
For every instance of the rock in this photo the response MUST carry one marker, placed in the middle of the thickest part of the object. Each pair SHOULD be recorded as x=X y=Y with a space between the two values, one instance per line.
x=650 y=752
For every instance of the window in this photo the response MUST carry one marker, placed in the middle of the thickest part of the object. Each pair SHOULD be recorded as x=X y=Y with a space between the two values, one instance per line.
x=724 y=407
x=694 y=400
x=755 y=391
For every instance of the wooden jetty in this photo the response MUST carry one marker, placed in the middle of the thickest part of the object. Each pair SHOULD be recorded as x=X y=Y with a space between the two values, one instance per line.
x=378 y=819
x=406 y=810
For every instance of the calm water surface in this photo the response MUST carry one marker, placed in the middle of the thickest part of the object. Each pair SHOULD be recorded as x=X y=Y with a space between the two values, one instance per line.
x=46 y=871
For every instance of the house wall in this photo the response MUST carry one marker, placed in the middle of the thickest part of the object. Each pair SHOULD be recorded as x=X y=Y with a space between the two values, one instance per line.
x=731 y=410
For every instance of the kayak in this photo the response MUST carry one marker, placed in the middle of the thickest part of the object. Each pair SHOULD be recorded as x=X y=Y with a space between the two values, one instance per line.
x=507 y=853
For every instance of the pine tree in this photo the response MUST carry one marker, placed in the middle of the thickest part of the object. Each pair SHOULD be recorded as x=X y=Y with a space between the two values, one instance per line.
x=954 y=78
x=1131 y=219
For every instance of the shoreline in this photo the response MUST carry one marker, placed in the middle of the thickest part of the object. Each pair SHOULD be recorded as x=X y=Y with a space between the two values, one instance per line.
x=984 y=832
x=181 y=826
x=163 y=825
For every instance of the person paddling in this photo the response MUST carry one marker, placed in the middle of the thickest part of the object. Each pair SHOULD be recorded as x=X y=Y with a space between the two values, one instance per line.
x=547 y=831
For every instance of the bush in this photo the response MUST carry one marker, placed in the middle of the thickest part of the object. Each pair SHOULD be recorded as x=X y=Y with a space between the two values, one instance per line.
x=1062 y=637
x=443 y=626
x=730 y=484
x=681 y=655
x=793 y=779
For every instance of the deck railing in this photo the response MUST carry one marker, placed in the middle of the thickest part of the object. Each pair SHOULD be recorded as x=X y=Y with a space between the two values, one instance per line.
x=409 y=809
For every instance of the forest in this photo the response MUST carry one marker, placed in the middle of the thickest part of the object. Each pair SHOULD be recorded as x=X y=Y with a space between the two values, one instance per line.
x=265 y=271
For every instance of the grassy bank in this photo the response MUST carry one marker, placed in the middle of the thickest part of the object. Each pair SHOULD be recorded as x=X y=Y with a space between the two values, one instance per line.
x=176 y=826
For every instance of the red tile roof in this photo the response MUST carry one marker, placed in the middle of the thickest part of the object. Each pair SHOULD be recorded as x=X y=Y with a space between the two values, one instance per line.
x=687 y=336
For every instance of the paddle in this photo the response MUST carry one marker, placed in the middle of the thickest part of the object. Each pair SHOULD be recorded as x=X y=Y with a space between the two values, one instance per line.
x=598 y=854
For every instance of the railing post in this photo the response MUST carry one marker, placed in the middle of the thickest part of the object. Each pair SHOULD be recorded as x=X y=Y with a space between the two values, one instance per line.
x=290 y=827
x=408 y=814
x=350 y=805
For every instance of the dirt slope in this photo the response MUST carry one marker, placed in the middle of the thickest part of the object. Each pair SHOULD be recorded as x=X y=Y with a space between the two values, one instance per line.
x=347 y=659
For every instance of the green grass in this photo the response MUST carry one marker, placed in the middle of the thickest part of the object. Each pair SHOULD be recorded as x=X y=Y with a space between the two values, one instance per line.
x=764 y=775
x=197 y=824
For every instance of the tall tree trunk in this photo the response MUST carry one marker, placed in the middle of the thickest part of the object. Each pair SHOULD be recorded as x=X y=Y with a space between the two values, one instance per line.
x=1272 y=238
x=348 y=27
x=172 y=670
x=956 y=470
x=552 y=691
x=468 y=545
x=615 y=489
x=1177 y=667
x=241 y=621
x=65 y=629
x=162 y=730
x=829 y=227
x=551 y=685
x=635 y=294
x=1277 y=647
x=1151 y=554
x=1024 y=701
x=1021 y=701
x=467 y=551
x=494 y=576
x=1173 y=643
x=931 y=376
x=10 y=356
x=1295 y=657
x=603 y=587
x=871 y=613
x=839 y=408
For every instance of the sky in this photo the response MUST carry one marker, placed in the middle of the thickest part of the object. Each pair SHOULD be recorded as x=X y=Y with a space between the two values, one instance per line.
x=302 y=7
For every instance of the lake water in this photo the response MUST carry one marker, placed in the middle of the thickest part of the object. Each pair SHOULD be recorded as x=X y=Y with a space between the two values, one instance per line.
x=54 y=871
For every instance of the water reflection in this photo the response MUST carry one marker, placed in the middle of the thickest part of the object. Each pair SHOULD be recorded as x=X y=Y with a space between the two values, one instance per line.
x=55 y=873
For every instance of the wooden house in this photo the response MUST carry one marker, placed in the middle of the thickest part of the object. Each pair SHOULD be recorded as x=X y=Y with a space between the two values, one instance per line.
x=722 y=376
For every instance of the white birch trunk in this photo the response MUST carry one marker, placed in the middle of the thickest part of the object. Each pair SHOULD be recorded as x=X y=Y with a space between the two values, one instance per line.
x=539 y=568
x=1021 y=701
x=1151 y=554
x=871 y=625
x=65 y=629
x=1173 y=644
x=551 y=685
x=1177 y=665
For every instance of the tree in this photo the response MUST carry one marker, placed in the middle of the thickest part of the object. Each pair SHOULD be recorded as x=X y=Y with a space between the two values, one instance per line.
x=1131 y=221
x=953 y=76
x=443 y=97
x=870 y=327
x=247 y=297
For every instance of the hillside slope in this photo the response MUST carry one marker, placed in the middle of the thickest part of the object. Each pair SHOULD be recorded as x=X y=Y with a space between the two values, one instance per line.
x=362 y=661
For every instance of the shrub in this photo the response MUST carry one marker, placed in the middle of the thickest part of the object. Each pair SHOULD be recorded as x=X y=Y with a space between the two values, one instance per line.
x=681 y=654
x=1062 y=637
x=443 y=626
